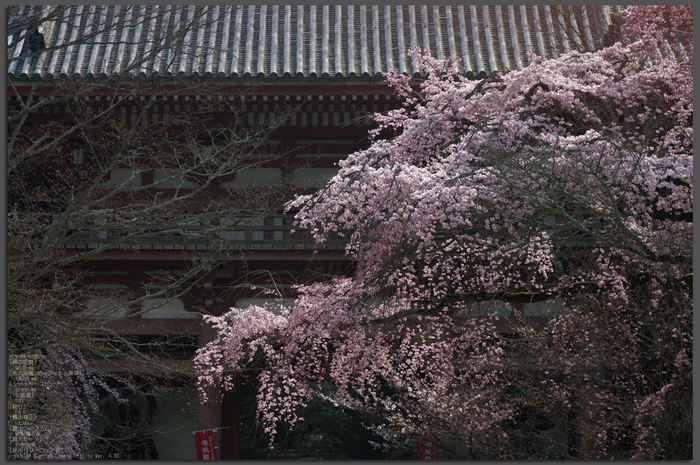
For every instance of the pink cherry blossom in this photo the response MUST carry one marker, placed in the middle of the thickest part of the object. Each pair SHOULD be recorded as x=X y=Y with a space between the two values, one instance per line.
x=565 y=188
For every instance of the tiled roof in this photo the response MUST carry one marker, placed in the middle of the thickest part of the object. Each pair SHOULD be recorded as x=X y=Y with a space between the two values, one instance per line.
x=305 y=41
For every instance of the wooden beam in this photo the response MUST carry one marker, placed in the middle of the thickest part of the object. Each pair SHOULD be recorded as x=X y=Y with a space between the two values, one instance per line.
x=155 y=327
x=130 y=366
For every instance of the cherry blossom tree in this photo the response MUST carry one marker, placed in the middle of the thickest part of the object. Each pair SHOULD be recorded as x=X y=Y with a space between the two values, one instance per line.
x=523 y=249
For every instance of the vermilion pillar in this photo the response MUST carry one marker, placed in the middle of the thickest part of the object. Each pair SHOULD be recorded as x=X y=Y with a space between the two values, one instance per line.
x=230 y=438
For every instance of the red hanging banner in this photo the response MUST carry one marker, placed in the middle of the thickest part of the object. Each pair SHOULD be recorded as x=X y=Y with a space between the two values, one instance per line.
x=206 y=445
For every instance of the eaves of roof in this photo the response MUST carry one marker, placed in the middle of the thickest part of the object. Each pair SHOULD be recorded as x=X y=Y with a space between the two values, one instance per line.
x=300 y=42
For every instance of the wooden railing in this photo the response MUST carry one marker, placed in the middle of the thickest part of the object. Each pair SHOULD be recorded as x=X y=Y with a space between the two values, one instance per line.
x=275 y=233
x=276 y=236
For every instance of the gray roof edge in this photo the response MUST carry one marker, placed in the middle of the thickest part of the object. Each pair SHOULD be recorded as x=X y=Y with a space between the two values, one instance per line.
x=279 y=43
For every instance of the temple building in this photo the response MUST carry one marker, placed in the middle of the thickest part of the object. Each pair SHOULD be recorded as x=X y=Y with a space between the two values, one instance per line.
x=311 y=74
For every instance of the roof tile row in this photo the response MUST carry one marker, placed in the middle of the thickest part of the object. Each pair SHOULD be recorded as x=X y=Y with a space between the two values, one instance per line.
x=307 y=41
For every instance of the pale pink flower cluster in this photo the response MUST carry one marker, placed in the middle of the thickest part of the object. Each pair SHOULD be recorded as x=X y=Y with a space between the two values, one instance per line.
x=58 y=394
